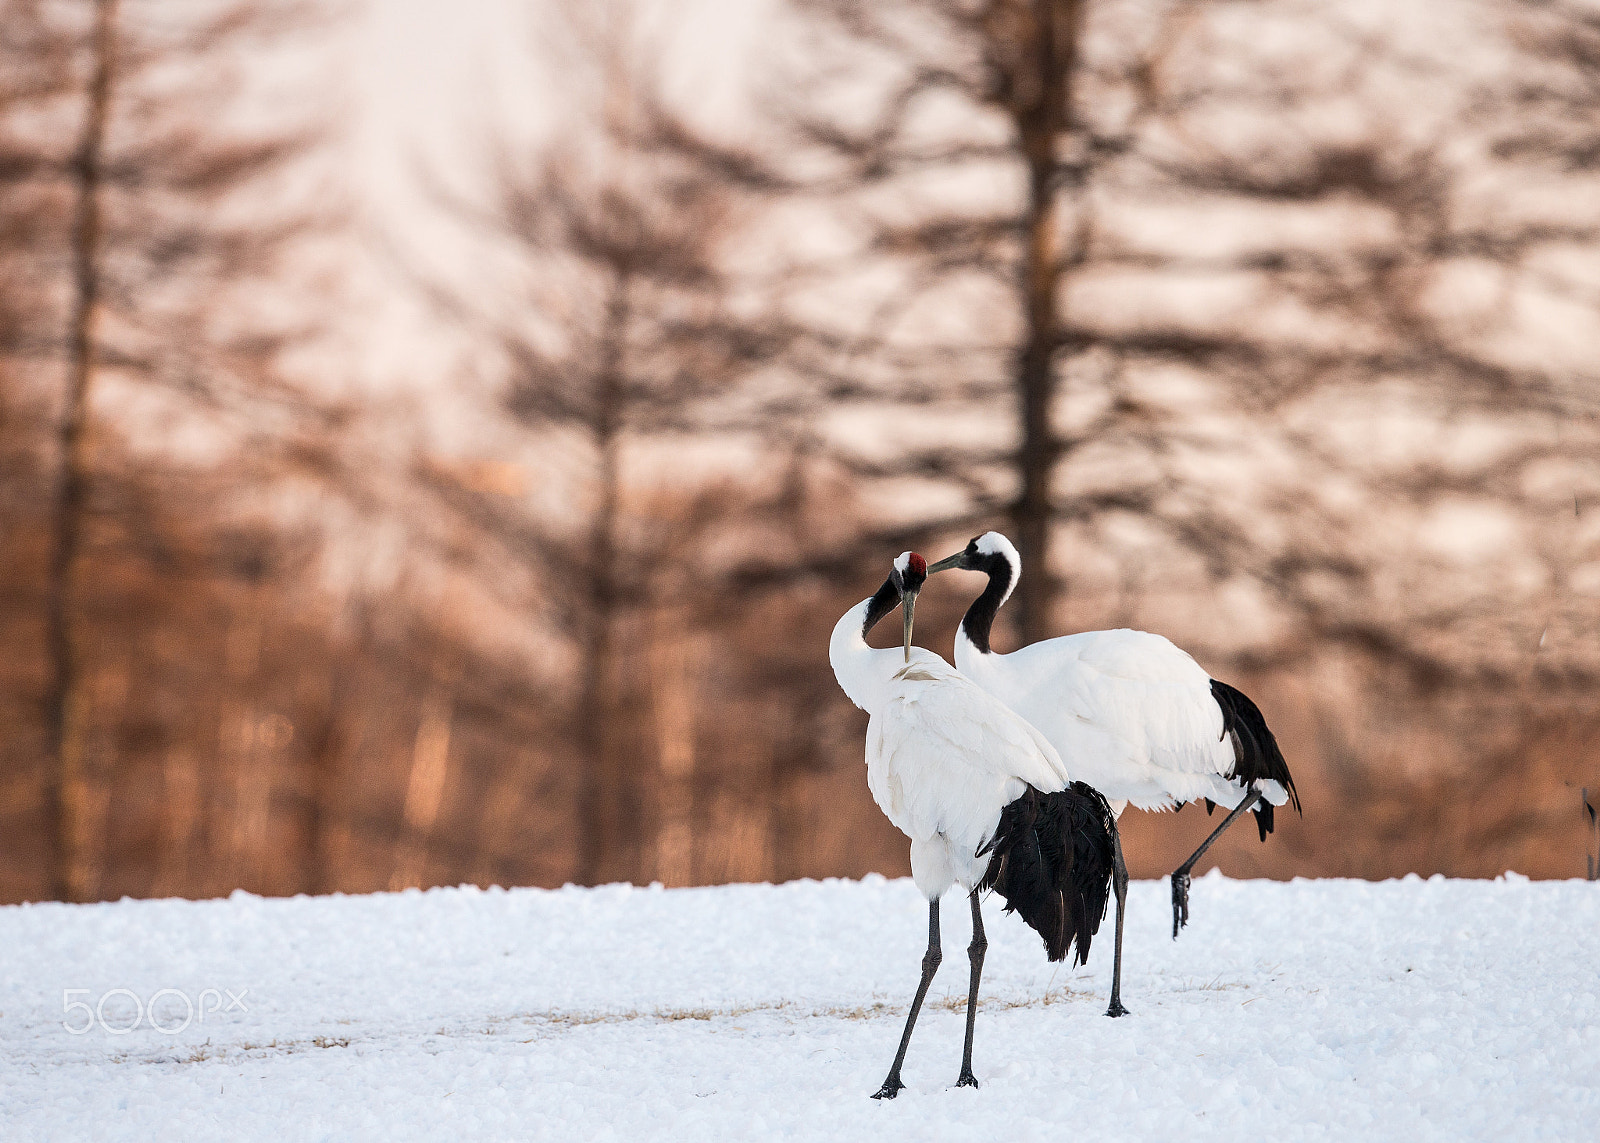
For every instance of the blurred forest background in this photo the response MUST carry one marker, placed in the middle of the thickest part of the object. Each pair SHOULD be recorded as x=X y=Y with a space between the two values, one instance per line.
x=498 y=538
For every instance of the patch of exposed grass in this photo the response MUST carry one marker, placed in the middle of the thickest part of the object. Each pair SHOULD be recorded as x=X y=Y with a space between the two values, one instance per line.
x=555 y=1021
x=877 y=1009
x=1216 y=984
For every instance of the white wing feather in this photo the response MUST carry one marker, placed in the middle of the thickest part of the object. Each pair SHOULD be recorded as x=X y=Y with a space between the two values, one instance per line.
x=943 y=757
x=1130 y=713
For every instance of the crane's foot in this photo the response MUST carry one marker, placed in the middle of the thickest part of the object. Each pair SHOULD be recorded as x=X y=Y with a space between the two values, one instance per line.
x=1116 y=1008
x=967 y=1079
x=1180 y=902
x=891 y=1088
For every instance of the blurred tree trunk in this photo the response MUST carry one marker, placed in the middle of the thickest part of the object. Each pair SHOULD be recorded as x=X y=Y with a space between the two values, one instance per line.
x=66 y=700
x=323 y=759
x=618 y=332
x=1041 y=102
x=607 y=802
x=426 y=784
x=997 y=264
x=151 y=223
x=672 y=700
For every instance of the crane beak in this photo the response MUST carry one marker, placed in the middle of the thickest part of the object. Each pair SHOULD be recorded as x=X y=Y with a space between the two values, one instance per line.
x=908 y=604
x=955 y=561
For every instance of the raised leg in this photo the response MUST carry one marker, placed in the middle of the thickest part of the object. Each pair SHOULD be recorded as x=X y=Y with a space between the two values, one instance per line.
x=930 y=965
x=975 y=951
x=1180 y=875
x=1119 y=885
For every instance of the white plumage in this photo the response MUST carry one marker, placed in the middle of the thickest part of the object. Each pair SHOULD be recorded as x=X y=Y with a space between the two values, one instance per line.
x=943 y=759
x=946 y=762
x=1130 y=713
x=1134 y=715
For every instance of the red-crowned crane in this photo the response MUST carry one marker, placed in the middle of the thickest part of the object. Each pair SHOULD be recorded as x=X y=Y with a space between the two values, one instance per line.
x=980 y=793
x=1134 y=716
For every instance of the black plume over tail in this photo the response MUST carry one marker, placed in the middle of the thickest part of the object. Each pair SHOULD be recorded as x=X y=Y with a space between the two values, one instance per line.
x=1052 y=856
x=1256 y=756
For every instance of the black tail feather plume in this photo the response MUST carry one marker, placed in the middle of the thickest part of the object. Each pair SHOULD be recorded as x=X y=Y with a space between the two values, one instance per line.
x=1052 y=858
x=1256 y=757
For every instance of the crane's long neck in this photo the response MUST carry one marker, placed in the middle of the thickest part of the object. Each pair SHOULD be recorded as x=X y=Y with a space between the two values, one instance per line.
x=861 y=670
x=979 y=619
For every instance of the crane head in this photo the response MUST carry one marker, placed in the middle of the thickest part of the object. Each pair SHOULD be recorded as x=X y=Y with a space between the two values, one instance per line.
x=985 y=553
x=910 y=573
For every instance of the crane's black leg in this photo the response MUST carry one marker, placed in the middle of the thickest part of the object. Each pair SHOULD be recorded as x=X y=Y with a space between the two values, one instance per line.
x=1180 y=875
x=930 y=965
x=975 y=951
x=1119 y=885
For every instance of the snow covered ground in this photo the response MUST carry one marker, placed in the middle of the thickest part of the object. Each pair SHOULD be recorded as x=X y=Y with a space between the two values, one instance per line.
x=1335 y=1009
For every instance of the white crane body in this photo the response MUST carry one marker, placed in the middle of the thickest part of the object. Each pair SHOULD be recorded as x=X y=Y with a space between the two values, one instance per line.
x=1131 y=714
x=982 y=795
x=943 y=757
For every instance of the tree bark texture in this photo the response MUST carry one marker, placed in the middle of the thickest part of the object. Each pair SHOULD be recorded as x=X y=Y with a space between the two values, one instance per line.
x=66 y=700
x=1041 y=98
x=606 y=800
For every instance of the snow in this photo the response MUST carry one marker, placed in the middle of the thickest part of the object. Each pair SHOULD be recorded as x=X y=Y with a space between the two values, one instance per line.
x=1409 y=1009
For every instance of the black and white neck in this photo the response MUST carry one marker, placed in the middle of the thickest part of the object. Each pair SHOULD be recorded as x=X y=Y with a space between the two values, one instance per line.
x=863 y=671
x=994 y=555
x=883 y=601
